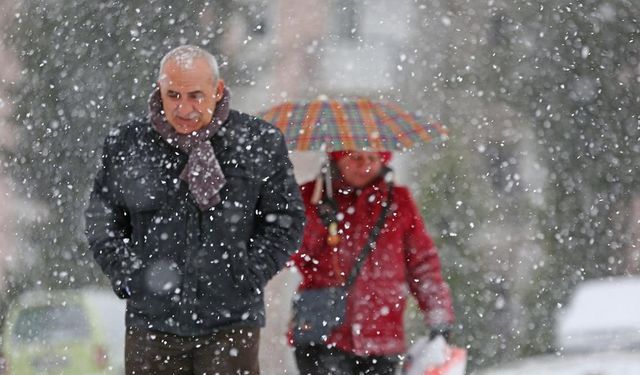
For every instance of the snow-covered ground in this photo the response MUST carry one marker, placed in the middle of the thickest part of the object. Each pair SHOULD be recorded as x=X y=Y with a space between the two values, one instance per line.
x=606 y=363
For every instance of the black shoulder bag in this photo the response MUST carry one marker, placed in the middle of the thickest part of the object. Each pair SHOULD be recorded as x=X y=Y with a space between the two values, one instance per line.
x=316 y=312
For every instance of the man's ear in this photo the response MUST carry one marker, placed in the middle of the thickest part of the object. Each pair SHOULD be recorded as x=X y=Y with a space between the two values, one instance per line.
x=219 y=90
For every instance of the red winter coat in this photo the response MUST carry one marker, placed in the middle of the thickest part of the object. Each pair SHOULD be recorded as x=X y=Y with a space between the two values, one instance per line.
x=404 y=260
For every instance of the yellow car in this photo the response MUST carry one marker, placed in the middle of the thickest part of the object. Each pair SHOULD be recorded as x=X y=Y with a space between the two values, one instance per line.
x=65 y=332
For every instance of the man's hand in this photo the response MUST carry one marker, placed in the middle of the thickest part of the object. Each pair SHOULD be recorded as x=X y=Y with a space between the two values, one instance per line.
x=121 y=288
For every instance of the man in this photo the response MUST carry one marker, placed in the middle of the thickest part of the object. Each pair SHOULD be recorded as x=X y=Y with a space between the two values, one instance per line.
x=194 y=209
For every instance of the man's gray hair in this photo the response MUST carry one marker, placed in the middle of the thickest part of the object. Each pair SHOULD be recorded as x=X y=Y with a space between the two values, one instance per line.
x=184 y=57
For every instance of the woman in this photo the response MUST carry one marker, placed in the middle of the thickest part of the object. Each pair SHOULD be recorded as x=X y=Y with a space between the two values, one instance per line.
x=403 y=260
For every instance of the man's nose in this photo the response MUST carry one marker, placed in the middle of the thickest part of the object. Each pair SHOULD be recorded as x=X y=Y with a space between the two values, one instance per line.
x=183 y=108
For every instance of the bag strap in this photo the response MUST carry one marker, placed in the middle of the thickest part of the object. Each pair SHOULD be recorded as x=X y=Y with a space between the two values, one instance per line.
x=373 y=237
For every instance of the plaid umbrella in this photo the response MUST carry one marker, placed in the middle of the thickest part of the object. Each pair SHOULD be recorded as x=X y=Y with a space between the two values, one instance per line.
x=359 y=124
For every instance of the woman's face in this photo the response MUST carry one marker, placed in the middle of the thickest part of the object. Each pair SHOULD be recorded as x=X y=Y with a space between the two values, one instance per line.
x=360 y=168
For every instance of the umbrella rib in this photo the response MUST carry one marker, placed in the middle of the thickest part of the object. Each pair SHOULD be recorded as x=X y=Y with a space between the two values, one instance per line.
x=283 y=119
x=308 y=125
x=395 y=128
x=365 y=107
x=343 y=127
x=267 y=116
x=417 y=128
x=444 y=133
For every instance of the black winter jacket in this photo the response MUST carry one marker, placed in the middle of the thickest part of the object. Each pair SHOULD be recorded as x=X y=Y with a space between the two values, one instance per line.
x=182 y=270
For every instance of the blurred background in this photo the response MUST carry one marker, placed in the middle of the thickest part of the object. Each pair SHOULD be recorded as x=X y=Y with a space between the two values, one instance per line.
x=535 y=192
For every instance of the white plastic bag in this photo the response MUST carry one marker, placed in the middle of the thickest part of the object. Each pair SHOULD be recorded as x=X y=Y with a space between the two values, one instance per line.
x=434 y=357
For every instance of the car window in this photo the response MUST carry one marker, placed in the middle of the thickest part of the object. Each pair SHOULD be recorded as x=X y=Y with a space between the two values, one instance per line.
x=51 y=324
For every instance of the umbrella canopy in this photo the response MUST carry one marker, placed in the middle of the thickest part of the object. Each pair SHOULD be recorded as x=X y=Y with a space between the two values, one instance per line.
x=358 y=124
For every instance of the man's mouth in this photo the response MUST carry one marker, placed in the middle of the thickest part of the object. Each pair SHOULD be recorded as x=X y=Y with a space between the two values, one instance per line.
x=190 y=117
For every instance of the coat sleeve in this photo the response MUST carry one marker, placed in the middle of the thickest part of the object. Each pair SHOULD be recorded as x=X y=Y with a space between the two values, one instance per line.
x=423 y=265
x=108 y=228
x=280 y=217
x=303 y=258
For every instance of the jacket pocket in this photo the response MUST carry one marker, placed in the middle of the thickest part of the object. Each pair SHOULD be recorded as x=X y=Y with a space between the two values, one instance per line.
x=144 y=193
x=242 y=275
x=153 y=286
x=240 y=189
x=240 y=195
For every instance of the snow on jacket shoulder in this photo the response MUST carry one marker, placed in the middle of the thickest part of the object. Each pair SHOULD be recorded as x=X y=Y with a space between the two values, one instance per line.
x=404 y=261
x=185 y=271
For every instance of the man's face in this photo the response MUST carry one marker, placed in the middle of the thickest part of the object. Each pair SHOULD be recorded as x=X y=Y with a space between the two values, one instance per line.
x=189 y=94
x=360 y=168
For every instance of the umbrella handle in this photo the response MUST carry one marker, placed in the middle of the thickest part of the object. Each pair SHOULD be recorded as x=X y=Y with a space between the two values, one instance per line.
x=317 y=191
x=324 y=176
x=326 y=170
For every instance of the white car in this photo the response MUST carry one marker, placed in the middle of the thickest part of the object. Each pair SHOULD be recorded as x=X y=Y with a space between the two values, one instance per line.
x=598 y=332
x=601 y=315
